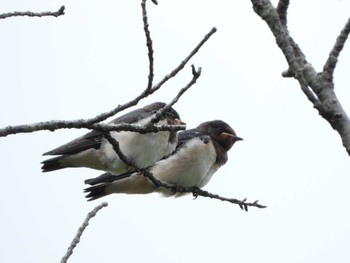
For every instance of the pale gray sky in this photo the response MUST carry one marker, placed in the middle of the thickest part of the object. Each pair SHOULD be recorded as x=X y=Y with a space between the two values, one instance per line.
x=94 y=58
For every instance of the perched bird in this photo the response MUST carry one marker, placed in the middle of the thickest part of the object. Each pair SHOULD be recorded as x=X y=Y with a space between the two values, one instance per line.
x=94 y=151
x=199 y=154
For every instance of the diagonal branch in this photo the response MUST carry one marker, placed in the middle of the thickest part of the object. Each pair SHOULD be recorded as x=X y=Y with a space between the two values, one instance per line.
x=337 y=48
x=115 y=143
x=89 y=123
x=282 y=11
x=104 y=128
x=185 y=61
x=195 y=75
x=318 y=88
x=59 y=12
x=81 y=230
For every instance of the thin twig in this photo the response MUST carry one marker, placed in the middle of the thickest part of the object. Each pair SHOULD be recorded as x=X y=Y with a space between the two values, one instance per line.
x=282 y=11
x=195 y=75
x=89 y=123
x=81 y=229
x=59 y=12
x=149 y=45
x=243 y=204
x=337 y=48
x=115 y=143
x=185 y=61
x=156 y=87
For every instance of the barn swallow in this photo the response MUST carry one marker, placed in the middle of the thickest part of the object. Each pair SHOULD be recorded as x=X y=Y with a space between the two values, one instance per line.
x=94 y=151
x=200 y=152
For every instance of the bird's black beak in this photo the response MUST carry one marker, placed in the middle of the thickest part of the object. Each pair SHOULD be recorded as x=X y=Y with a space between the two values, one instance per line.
x=238 y=138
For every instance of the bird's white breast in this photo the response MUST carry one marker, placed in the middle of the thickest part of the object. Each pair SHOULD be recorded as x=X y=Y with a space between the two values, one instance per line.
x=192 y=165
x=143 y=149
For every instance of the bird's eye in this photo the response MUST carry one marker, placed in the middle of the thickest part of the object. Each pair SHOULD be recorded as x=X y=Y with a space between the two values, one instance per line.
x=219 y=129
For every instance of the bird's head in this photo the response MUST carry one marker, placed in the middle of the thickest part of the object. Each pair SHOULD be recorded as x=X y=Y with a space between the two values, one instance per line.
x=171 y=115
x=221 y=132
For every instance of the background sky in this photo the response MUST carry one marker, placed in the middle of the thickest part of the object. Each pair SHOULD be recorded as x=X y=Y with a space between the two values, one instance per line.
x=94 y=58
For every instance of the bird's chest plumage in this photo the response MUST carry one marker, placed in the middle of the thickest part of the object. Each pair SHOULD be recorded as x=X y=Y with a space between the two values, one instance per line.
x=143 y=149
x=192 y=165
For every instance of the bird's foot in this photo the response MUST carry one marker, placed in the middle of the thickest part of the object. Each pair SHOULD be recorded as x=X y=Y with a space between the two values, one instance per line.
x=195 y=191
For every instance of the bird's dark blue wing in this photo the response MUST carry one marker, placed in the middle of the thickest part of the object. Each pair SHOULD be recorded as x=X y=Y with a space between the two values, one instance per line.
x=93 y=139
x=107 y=178
x=139 y=114
x=187 y=135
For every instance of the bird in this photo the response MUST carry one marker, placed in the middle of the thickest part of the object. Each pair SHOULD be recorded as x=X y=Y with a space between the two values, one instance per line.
x=200 y=152
x=94 y=151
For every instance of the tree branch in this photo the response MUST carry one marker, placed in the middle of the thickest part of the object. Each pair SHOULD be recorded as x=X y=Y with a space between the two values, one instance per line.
x=115 y=143
x=318 y=88
x=149 y=45
x=199 y=192
x=185 y=61
x=92 y=122
x=59 y=12
x=82 y=124
x=195 y=75
x=337 y=48
x=282 y=11
x=81 y=229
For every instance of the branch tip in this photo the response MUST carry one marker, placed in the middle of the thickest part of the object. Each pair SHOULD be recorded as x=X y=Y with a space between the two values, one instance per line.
x=81 y=230
x=57 y=13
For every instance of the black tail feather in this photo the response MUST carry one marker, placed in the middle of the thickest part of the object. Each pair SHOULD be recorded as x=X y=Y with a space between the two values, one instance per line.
x=52 y=164
x=95 y=192
x=99 y=184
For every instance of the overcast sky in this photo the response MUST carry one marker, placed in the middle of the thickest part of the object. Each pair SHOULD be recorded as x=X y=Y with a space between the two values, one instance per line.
x=94 y=58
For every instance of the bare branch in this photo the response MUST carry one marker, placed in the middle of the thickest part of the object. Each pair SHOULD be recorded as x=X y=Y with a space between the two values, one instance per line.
x=199 y=192
x=185 y=61
x=81 y=229
x=149 y=46
x=282 y=11
x=308 y=92
x=334 y=54
x=319 y=88
x=59 y=12
x=115 y=143
x=82 y=124
x=269 y=14
x=196 y=75
x=91 y=123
